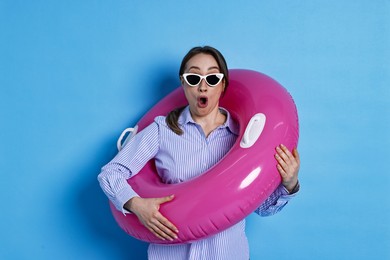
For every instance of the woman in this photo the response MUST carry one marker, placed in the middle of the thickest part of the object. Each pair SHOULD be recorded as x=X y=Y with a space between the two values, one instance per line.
x=184 y=144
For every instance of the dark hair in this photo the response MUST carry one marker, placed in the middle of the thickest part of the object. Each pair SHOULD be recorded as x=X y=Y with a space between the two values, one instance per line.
x=173 y=116
x=211 y=51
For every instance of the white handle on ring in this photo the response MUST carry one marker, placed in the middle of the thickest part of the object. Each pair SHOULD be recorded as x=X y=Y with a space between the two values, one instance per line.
x=253 y=130
x=133 y=131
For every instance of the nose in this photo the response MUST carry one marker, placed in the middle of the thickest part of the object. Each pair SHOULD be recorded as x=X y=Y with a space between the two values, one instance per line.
x=202 y=86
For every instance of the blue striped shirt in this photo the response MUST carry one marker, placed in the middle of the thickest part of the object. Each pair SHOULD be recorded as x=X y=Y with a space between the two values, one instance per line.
x=180 y=158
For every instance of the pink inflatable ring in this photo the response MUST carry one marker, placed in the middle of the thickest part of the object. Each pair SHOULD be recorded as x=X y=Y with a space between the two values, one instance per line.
x=241 y=181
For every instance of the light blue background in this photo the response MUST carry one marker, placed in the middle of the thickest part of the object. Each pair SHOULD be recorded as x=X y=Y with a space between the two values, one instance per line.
x=74 y=74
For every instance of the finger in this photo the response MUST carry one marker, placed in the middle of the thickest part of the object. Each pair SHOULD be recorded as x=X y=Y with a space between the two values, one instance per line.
x=155 y=227
x=167 y=224
x=156 y=231
x=283 y=156
x=286 y=152
x=158 y=227
x=165 y=231
x=165 y=199
x=296 y=155
x=291 y=159
x=281 y=171
x=280 y=160
x=285 y=166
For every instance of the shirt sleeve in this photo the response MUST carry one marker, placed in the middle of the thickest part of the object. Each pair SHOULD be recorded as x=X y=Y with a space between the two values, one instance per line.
x=126 y=164
x=276 y=201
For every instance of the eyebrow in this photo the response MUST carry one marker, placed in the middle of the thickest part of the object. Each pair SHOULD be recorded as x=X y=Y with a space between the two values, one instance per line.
x=211 y=68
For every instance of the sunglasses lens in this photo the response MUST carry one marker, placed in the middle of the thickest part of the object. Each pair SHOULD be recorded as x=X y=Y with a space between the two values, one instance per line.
x=193 y=79
x=212 y=80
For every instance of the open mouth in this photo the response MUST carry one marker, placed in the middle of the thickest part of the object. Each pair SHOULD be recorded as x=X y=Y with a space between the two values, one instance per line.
x=202 y=101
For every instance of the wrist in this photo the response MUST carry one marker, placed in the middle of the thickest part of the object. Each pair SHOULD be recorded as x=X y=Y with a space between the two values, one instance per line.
x=292 y=188
x=130 y=204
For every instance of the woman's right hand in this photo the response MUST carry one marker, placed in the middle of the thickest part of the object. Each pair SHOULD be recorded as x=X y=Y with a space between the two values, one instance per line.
x=147 y=211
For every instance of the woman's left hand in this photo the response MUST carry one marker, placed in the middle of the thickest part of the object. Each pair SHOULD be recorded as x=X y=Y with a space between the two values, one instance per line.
x=288 y=166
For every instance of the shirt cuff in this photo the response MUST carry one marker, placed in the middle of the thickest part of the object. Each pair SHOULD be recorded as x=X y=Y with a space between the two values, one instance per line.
x=293 y=192
x=124 y=196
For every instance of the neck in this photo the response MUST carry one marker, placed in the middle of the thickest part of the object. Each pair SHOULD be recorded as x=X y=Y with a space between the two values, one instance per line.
x=210 y=121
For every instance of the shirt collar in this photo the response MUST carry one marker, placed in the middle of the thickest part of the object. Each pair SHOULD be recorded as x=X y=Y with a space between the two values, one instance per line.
x=185 y=117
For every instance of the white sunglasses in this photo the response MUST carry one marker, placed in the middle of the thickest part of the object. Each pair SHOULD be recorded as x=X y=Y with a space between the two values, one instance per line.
x=194 y=80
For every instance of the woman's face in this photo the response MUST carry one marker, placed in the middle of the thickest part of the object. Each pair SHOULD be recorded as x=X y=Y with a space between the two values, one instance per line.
x=203 y=99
